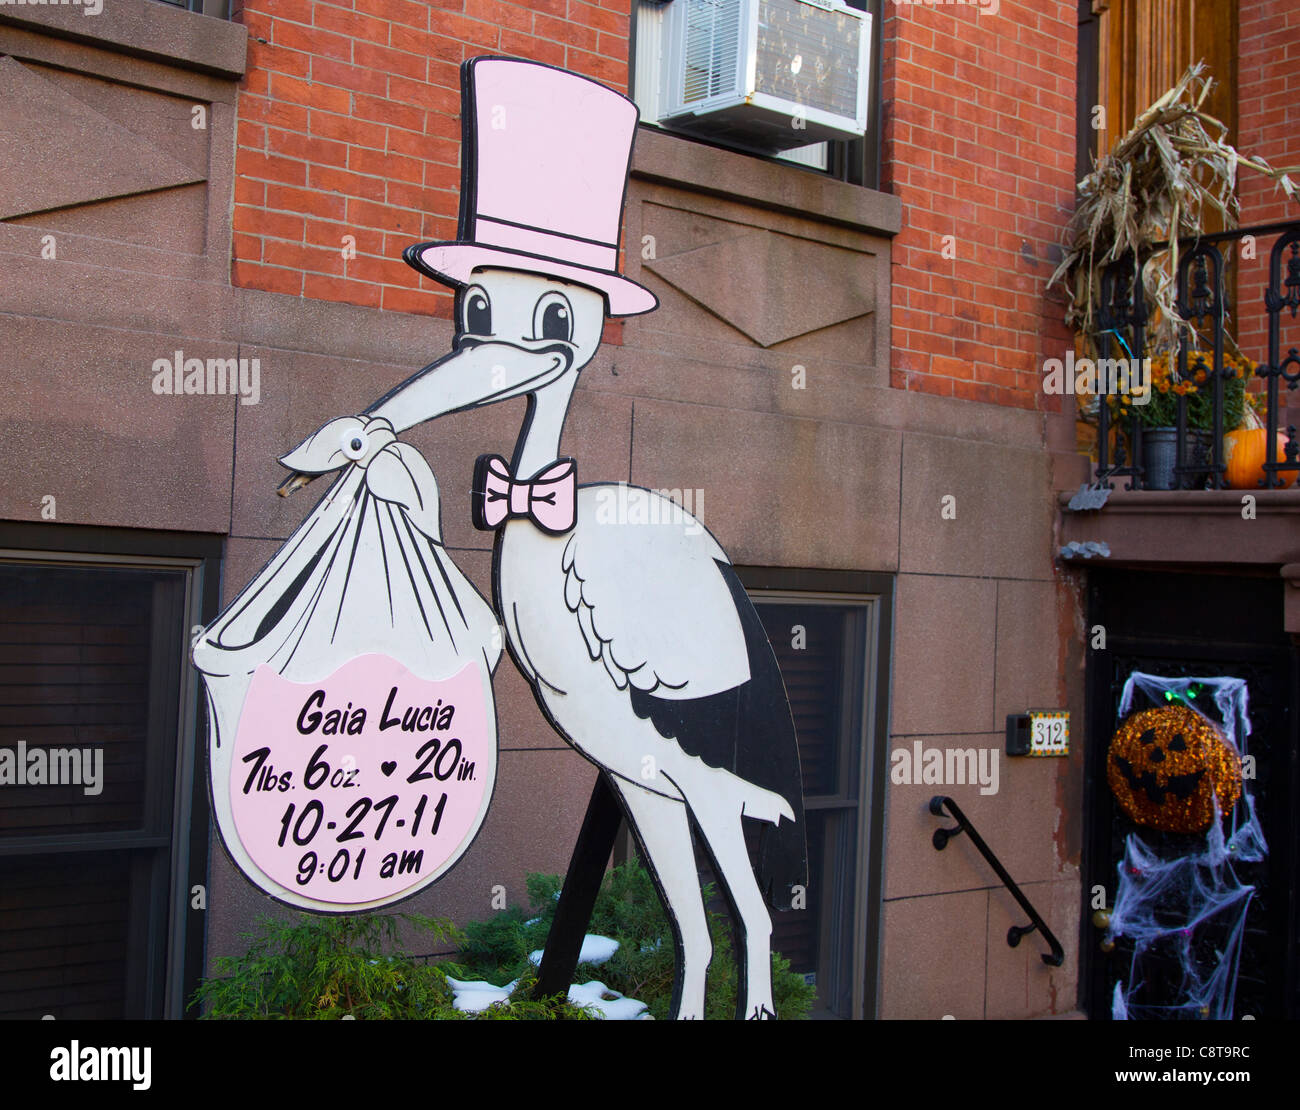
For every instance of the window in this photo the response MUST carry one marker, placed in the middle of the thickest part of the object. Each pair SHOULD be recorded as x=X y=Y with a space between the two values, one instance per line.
x=856 y=162
x=100 y=837
x=218 y=8
x=831 y=633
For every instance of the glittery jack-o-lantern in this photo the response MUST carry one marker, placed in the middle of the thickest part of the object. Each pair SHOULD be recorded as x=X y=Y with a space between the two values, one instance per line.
x=1165 y=766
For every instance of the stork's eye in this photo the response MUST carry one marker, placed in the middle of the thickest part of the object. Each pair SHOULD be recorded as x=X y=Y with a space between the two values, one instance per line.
x=477 y=311
x=553 y=317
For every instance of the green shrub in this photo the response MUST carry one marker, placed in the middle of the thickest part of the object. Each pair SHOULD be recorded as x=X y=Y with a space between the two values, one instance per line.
x=350 y=966
x=329 y=967
x=628 y=910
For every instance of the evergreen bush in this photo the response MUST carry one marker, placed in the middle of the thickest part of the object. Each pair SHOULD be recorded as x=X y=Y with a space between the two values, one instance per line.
x=350 y=966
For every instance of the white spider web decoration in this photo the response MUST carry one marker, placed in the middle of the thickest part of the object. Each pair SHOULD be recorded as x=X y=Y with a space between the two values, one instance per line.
x=1191 y=908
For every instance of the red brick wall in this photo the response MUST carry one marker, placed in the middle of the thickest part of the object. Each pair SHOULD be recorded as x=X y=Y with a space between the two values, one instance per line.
x=1268 y=110
x=979 y=143
x=349 y=124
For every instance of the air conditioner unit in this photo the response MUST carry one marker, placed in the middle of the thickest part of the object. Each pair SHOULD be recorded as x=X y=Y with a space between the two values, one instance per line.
x=768 y=75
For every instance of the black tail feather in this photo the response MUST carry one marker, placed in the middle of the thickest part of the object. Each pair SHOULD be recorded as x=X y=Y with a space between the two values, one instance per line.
x=750 y=732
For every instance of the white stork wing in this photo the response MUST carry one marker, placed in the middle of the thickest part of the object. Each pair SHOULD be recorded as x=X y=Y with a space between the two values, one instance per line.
x=641 y=577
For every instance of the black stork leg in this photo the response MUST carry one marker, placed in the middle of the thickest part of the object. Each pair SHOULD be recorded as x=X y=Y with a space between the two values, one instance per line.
x=581 y=885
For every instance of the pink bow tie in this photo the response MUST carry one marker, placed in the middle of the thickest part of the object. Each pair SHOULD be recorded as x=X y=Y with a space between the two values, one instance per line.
x=548 y=498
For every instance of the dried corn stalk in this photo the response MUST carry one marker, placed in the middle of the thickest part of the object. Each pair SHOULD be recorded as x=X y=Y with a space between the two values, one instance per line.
x=1158 y=184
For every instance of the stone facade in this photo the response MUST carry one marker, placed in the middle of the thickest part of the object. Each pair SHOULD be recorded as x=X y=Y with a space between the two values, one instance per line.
x=916 y=443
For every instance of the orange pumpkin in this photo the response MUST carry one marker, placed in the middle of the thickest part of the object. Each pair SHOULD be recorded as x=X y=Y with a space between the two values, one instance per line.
x=1166 y=766
x=1246 y=451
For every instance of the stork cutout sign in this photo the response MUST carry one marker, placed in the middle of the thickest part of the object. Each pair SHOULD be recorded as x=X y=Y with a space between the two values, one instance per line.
x=349 y=684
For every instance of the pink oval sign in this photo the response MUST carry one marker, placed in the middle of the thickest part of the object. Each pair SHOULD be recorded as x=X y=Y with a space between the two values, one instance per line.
x=364 y=785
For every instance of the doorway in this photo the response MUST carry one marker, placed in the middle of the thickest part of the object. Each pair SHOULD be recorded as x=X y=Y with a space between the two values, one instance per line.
x=1174 y=624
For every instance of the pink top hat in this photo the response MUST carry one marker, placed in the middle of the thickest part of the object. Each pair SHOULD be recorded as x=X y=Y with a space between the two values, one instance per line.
x=544 y=164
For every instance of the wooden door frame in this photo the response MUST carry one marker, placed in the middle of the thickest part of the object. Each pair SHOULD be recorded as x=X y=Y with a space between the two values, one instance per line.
x=1097 y=862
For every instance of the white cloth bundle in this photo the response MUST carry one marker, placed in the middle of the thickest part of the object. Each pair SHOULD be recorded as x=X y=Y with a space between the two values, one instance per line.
x=365 y=575
x=366 y=571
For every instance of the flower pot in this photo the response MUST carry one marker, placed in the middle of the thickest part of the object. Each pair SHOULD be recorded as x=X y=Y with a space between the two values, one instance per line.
x=1159 y=457
x=1160 y=454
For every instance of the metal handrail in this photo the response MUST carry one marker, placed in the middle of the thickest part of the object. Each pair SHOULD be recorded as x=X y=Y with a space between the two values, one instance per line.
x=940 y=840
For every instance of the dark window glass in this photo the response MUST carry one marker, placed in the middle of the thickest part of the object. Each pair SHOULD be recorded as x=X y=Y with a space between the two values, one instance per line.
x=64 y=924
x=91 y=665
x=76 y=653
x=821 y=649
x=823 y=654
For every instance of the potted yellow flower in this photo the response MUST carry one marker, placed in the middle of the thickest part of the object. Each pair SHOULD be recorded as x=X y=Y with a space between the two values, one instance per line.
x=1159 y=415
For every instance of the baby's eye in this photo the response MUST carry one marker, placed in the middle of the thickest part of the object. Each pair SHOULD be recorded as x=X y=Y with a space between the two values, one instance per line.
x=353 y=444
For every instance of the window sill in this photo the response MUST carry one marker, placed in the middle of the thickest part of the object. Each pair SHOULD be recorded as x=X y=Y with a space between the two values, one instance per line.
x=668 y=159
x=142 y=29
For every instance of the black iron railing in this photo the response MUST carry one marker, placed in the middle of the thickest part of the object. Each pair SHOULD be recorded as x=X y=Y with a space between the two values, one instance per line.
x=1056 y=956
x=1202 y=283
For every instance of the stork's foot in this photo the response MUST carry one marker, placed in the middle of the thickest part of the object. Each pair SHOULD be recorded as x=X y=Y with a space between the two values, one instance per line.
x=691 y=1007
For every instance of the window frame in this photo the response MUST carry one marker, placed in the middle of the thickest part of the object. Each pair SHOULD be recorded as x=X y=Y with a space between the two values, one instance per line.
x=217 y=9
x=171 y=936
x=874 y=591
